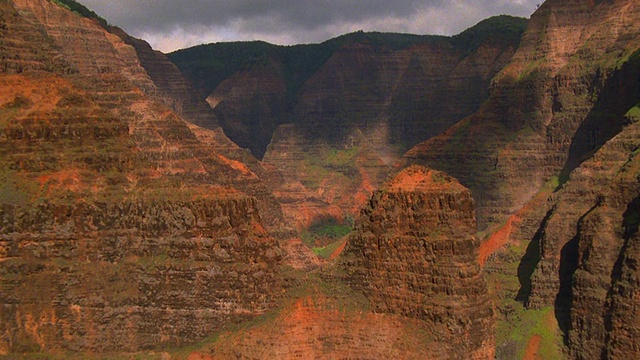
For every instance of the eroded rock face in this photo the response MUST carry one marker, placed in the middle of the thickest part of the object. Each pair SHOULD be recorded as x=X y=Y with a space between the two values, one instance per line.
x=120 y=229
x=562 y=97
x=171 y=88
x=130 y=276
x=334 y=117
x=414 y=253
x=587 y=249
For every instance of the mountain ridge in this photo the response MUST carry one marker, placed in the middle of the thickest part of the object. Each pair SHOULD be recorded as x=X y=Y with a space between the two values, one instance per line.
x=508 y=231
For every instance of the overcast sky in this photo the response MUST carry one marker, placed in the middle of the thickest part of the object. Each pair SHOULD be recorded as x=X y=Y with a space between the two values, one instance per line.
x=172 y=24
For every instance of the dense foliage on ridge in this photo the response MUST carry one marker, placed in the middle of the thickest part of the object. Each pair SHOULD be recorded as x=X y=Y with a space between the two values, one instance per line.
x=208 y=65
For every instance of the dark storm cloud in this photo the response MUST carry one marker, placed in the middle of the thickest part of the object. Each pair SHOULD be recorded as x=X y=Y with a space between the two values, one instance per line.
x=169 y=24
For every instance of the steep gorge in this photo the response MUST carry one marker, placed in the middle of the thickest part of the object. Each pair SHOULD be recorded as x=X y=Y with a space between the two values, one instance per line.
x=125 y=228
x=337 y=115
x=408 y=285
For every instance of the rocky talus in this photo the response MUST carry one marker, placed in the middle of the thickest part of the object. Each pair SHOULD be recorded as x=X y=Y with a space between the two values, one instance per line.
x=120 y=229
x=414 y=253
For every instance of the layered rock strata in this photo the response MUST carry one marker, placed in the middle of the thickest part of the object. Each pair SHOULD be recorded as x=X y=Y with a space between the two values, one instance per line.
x=170 y=85
x=414 y=253
x=120 y=229
x=587 y=249
x=562 y=96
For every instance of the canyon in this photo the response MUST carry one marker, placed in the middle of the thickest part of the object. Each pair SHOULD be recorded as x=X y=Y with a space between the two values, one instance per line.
x=376 y=195
x=335 y=117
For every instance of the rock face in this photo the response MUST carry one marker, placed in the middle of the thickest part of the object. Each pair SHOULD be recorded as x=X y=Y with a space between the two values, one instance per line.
x=171 y=87
x=120 y=229
x=414 y=253
x=563 y=96
x=333 y=117
x=562 y=112
x=588 y=242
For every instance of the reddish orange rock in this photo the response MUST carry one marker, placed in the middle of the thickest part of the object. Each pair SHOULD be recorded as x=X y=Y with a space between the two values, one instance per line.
x=414 y=253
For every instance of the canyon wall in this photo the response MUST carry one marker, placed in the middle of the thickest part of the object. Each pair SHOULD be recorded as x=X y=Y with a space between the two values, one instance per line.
x=562 y=97
x=120 y=229
x=550 y=159
x=124 y=227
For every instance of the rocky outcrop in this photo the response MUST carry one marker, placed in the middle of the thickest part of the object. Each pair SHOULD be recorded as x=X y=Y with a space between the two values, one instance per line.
x=120 y=229
x=414 y=253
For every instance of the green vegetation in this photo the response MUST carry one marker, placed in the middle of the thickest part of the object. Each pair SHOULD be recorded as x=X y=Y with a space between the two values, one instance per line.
x=517 y=325
x=325 y=252
x=337 y=157
x=208 y=65
x=326 y=162
x=81 y=10
x=527 y=324
x=634 y=113
x=327 y=231
x=503 y=29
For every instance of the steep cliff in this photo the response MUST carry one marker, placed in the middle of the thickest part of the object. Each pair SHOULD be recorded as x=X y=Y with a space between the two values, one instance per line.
x=562 y=97
x=560 y=115
x=587 y=250
x=120 y=229
x=414 y=253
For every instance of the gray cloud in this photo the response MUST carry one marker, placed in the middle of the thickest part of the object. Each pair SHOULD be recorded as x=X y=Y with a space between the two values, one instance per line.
x=170 y=24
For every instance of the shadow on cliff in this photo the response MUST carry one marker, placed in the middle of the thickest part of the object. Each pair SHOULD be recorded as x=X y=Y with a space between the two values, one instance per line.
x=620 y=92
x=564 y=299
x=569 y=263
x=630 y=224
x=529 y=262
